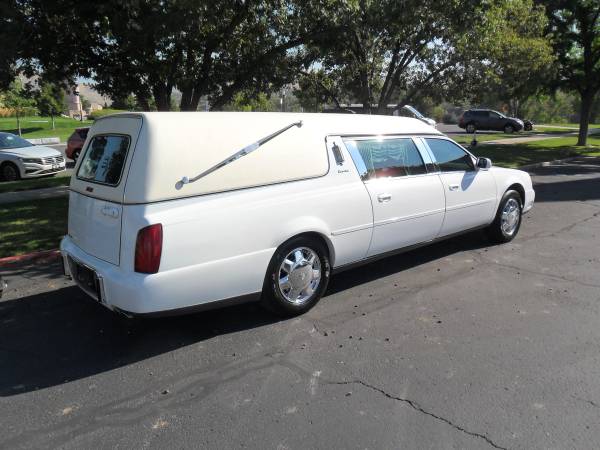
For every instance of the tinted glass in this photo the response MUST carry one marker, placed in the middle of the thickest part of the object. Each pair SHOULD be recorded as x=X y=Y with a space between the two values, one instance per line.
x=386 y=158
x=449 y=156
x=8 y=140
x=104 y=159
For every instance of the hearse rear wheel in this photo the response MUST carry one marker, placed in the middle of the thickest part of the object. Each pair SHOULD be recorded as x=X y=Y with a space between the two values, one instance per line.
x=297 y=276
x=506 y=225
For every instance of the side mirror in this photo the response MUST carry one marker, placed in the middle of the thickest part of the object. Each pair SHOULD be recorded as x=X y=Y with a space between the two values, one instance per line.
x=484 y=163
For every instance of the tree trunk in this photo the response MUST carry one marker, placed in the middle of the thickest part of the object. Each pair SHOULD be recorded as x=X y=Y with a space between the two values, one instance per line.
x=52 y=116
x=162 y=98
x=587 y=99
x=186 y=98
x=18 y=123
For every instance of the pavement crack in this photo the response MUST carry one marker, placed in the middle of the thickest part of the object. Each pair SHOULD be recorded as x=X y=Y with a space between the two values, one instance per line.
x=414 y=405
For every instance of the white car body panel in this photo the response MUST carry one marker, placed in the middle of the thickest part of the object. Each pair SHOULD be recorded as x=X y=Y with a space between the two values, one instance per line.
x=217 y=246
x=52 y=161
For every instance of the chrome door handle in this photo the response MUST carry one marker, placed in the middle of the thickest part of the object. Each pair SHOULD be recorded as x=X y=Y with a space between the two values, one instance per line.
x=384 y=198
x=453 y=187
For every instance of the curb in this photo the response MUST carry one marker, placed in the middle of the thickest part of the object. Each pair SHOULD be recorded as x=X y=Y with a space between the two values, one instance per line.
x=45 y=141
x=549 y=163
x=45 y=256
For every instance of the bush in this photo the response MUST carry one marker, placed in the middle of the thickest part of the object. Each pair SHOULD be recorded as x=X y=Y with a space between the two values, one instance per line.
x=104 y=112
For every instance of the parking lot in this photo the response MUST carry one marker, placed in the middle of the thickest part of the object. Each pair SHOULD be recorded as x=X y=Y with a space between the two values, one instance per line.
x=457 y=345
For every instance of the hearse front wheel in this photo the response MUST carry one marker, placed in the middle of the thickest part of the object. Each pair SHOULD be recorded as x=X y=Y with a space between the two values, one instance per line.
x=508 y=218
x=297 y=277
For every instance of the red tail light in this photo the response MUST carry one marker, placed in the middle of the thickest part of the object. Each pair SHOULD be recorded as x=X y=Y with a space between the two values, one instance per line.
x=148 y=248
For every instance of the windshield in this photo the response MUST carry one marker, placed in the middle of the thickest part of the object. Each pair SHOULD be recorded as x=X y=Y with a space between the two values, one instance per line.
x=417 y=114
x=8 y=140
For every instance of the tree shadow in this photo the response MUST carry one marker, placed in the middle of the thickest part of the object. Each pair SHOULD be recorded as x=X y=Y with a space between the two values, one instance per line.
x=55 y=337
x=24 y=130
x=573 y=188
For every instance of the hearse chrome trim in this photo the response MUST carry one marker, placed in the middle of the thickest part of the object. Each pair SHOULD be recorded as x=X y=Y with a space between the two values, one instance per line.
x=241 y=153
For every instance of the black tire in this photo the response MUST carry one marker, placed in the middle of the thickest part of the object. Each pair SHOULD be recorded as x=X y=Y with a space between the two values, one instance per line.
x=470 y=128
x=496 y=231
x=528 y=127
x=508 y=128
x=9 y=172
x=274 y=297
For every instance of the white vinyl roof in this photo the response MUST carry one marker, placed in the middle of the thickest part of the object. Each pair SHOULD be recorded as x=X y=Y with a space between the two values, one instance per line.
x=173 y=145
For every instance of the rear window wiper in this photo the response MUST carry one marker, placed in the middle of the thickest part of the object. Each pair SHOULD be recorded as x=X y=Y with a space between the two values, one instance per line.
x=240 y=153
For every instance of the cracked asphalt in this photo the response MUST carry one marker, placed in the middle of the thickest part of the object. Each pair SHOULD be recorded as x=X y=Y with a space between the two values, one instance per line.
x=458 y=345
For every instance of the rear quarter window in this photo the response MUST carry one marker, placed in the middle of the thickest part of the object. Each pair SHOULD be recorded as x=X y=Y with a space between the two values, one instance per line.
x=104 y=159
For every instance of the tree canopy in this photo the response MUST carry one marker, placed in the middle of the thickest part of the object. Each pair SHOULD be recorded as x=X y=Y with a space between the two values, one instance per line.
x=371 y=51
x=575 y=28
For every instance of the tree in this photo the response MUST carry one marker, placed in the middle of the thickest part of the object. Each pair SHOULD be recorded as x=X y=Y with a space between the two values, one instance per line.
x=149 y=48
x=19 y=100
x=575 y=26
x=519 y=61
x=389 y=51
x=50 y=100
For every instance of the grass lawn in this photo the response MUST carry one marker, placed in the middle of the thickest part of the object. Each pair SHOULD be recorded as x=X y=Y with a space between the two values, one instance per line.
x=467 y=138
x=37 y=127
x=514 y=155
x=61 y=179
x=32 y=226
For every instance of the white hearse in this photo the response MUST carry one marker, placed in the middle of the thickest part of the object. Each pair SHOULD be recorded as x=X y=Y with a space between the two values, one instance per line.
x=175 y=212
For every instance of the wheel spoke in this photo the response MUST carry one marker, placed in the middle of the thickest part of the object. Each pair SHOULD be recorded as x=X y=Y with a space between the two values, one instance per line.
x=308 y=290
x=294 y=293
x=287 y=266
x=284 y=283
x=299 y=257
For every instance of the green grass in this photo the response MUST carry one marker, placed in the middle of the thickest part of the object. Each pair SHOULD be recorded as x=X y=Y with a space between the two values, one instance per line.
x=570 y=125
x=32 y=226
x=60 y=179
x=38 y=127
x=515 y=155
x=467 y=138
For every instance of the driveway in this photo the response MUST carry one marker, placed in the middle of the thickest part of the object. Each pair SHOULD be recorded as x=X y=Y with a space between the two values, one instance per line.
x=458 y=345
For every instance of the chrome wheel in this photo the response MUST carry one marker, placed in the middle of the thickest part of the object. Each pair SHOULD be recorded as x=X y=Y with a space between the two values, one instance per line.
x=470 y=128
x=511 y=214
x=299 y=275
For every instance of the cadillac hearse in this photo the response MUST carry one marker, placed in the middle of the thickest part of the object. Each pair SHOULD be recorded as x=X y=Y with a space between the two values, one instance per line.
x=175 y=212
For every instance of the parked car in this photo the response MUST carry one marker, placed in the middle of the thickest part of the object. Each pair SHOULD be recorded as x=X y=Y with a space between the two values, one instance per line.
x=409 y=111
x=21 y=159
x=307 y=195
x=75 y=142
x=486 y=119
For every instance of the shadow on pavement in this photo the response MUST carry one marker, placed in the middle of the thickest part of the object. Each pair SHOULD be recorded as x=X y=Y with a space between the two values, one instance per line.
x=573 y=188
x=55 y=337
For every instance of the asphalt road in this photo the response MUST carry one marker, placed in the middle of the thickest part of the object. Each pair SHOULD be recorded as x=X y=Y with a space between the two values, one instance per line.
x=458 y=345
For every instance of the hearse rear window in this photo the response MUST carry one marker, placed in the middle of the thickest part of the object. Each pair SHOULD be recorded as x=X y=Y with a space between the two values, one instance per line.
x=104 y=159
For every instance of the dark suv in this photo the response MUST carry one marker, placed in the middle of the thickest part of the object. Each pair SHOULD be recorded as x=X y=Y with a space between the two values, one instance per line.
x=487 y=119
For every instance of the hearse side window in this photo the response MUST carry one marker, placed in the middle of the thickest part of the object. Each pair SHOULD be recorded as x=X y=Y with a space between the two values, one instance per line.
x=381 y=158
x=104 y=159
x=449 y=156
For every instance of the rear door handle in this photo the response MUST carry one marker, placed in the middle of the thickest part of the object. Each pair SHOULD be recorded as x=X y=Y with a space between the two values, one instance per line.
x=453 y=187
x=384 y=198
x=110 y=211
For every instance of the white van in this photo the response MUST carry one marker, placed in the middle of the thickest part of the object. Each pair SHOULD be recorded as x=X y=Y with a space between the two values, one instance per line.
x=174 y=212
